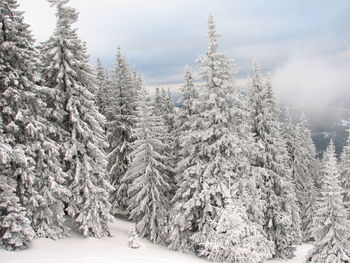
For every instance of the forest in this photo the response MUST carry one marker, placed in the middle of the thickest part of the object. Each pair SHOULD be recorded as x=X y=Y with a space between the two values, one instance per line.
x=219 y=176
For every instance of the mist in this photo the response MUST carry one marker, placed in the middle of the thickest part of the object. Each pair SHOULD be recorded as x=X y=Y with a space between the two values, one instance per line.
x=313 y=82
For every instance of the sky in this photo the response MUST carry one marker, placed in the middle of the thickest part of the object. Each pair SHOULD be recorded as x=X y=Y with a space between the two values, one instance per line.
x=303 y=45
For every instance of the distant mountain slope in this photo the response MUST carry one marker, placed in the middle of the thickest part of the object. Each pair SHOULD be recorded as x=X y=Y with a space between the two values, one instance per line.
x=324 y=124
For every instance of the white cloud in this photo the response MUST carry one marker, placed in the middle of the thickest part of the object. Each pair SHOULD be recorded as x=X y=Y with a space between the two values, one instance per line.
x=312 y=82
x=304 y=43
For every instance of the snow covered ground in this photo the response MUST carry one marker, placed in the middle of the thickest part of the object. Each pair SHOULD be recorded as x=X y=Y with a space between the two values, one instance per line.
x=107 y=250
x=300 y=255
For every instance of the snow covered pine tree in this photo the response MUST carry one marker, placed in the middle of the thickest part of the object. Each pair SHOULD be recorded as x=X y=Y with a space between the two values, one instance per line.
x=133 y=241
x=164 y=107
x=282 y=221
x=212 y=155
x=344 y=167
x=35 y=168
x=183 y=120
x=148 y=175
x=103 y=84
x=306 y=163
x=15 y=229
x=302 y=162
x=234 y=238
x=332 y=228
x=121 y=115
x=72 y=82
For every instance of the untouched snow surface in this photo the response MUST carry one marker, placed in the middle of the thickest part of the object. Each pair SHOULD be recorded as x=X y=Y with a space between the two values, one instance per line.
x=77 y=249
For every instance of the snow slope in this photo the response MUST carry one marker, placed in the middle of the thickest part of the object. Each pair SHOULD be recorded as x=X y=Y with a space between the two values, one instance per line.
x=107 y=250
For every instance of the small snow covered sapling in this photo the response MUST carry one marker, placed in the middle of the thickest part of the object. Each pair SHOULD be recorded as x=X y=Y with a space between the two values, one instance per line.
x=133 y=238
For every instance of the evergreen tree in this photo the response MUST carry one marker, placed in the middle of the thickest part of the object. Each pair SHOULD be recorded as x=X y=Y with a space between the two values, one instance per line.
x=102 y=98
x=169 y=111
x=48 y=216
x=148 y=175
x=183 y=123
x=133 y=241
x=72 y=82
x=289 y=136
x=333 y=228
x=36 y=167
x=234 y=238
x=138 y=83
x=188 y=92
x=302 y=162
x=164 y=107
x=344 y=167
x=304 y=170
x=318 y=174
x=309 y=222
x=281 y=222
x=183 y=119
x=188 y=95
x=213 y=153
x=15 y=228
x=121 y=115
x=158 y=102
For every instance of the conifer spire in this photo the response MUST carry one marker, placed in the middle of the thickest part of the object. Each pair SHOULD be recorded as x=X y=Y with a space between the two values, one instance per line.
x=281 y=213
x=72 y=80
x=332 y=230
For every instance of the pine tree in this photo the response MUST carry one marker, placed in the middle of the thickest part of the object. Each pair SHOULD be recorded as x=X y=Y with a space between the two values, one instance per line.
x=281 y=222
x=344 y=167
x=183 y=120
x=305 y=167
x=183 y=123
x=121 y=116
x=133 y=241
x=148 y=175
x=48 y=217
x=158 y=102
x=15 y=228
x=213 y=152
x=138 y=83
x=289 y=136
x=102 y=97
x=164 y=107
x=251 y=179
x=72 y=84
x=35 y=168
x=302 y=162
x=188 y=92
x=234 y=238
x=318 y=174
x=169 y=111
x=309 y=222
x=15 y=231
x=333 y=227
x=188 y=95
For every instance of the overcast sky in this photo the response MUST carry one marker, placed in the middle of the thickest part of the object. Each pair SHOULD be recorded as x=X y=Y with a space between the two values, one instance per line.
x=304 y=44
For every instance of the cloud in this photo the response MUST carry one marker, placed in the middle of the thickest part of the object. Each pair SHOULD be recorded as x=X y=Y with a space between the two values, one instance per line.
x=159 y=37
x=313 y=82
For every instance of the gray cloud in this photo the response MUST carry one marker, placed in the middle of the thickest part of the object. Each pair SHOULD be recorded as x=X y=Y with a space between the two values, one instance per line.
x=298 y=41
